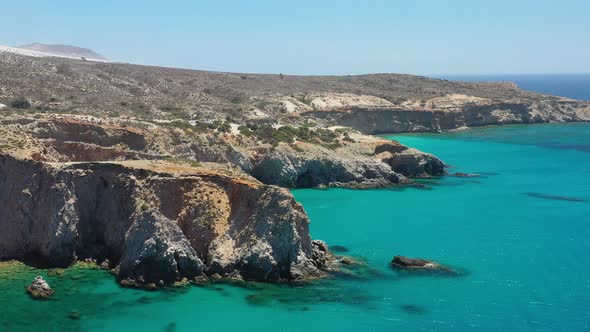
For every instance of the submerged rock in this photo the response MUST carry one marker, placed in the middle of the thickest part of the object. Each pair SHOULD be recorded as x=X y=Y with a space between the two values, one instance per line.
x=413 y=309
x=338 y=248
x=421 y=265
x=171 y=327
x=346 y=260
x=74 y=315
x=466 y=175
x=39 y=289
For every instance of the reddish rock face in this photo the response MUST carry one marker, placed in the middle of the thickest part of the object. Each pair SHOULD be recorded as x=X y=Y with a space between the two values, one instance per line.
x=138 y=216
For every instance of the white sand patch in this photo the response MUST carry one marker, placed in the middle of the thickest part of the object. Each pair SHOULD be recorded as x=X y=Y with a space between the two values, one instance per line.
x=259 y=114
x=38 y=54
x=289 y=106
x=343 y=100
x=234 y=128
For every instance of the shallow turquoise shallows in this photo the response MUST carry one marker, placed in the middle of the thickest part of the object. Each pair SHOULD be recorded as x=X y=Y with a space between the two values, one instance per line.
x=520 y=232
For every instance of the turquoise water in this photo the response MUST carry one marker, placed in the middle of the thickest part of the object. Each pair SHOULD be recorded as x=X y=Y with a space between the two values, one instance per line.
x=520 y=231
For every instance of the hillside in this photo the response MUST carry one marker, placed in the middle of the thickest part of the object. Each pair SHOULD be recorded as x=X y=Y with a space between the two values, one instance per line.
x=67 y=51
x=370 y=103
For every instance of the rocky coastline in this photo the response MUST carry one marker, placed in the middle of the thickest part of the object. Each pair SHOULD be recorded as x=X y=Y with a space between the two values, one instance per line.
x=156 y=223
x=162 y=205
x=441 y=118
x=167 y=175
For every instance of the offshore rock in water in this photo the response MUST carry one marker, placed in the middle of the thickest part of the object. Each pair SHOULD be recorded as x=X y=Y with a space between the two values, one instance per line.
x=421 y=265
x=39 y=289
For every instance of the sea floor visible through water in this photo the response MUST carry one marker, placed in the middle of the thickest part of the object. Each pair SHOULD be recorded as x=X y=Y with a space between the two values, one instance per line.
x=519 y=230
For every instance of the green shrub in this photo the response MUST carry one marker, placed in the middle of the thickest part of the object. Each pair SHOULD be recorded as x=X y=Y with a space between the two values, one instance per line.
x=224 y=127
x=181 y=124
x=244 y=130
x=21 y=103
x=288 y=134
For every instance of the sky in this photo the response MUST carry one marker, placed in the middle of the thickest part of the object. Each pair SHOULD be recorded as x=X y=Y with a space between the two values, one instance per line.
x=426 y=37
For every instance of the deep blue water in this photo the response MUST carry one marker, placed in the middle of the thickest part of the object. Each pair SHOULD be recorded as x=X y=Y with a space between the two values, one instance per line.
x=576 y=86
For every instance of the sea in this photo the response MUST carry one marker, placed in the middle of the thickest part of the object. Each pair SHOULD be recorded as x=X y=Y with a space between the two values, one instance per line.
x=516 y=232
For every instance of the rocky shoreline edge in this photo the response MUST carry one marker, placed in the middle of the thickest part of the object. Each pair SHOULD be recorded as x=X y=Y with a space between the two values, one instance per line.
x=161 y=205
x=155 y=223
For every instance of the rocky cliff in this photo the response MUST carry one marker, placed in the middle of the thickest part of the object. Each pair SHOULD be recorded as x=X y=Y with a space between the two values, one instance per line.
x=288 y=156
x=450 y=113
x=164 y=202
x=156 y=222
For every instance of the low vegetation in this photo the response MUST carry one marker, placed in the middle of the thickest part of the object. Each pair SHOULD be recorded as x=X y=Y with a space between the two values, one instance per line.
x=21 y=103
x=288 y=134
x=183 y=161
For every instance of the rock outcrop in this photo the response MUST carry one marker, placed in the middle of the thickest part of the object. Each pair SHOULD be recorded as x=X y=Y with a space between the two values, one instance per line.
x=448 y=114
x=39 y=289
x=157 y=222
x=315 y=167
x=421 y=265
x=352 y=159
x=157 y=250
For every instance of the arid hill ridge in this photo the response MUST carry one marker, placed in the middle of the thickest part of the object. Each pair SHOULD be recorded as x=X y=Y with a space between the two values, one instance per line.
x=125 y=90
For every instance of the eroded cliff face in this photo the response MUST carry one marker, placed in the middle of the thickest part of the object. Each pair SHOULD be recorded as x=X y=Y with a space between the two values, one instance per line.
x=161 y=203
x=442 y=114
x=157 y=222
x=368 y=162
x=353 y=160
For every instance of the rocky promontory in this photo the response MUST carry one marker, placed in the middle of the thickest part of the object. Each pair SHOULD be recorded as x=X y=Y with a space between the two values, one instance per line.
x=157 y=222
x=161 y=203
x=453 y=111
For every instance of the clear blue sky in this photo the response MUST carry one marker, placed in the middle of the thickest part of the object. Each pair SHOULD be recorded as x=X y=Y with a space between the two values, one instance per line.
x=317 y=37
